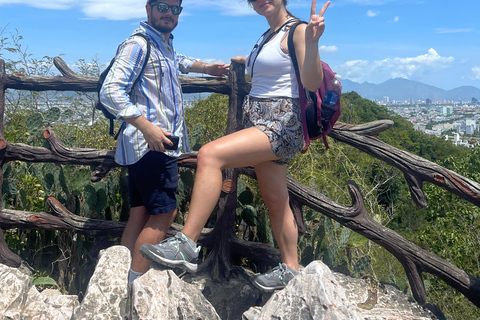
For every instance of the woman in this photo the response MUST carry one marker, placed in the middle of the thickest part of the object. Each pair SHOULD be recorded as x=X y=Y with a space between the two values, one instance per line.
x=272 y=136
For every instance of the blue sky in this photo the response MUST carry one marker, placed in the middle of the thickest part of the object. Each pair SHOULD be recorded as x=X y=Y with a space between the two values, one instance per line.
x=436 y=42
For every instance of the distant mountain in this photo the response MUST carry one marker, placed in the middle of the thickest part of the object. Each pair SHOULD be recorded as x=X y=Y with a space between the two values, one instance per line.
x=402 y=90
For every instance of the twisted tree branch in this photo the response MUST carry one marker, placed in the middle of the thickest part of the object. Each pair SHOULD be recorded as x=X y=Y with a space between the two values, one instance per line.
x=415 y=169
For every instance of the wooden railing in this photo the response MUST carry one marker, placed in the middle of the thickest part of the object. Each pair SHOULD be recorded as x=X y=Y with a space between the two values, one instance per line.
x=222 y=239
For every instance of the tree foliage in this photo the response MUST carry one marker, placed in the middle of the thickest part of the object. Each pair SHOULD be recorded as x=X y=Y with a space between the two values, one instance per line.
x=59 y=255
x=207 y=121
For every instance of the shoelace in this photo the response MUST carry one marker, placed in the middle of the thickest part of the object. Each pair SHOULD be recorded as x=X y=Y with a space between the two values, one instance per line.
x=279 y=271
x=174 y=242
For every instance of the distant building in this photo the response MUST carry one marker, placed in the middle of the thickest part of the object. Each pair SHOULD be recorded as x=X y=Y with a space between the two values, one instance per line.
x=437 y=133
x=462 y=143
x=448 y=126
x=419 y=126
x=428 y=102
x=471 y=122
x=455 y=138
x=447 y=110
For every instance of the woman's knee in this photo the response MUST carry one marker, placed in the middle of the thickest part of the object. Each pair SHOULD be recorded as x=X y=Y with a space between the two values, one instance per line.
x=207 y=157
x=275 y=201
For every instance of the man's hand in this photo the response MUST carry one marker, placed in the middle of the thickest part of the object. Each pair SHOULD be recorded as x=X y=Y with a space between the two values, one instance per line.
x=216 y=69
x=154 y=136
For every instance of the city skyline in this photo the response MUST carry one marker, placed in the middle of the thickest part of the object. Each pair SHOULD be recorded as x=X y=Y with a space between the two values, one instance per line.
x=432 y=42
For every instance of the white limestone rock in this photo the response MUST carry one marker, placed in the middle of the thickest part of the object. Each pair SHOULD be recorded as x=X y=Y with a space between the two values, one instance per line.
x=107 y=293
x=162 y=295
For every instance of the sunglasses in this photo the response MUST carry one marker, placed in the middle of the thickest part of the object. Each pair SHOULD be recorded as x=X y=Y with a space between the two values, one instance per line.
x=163 y=7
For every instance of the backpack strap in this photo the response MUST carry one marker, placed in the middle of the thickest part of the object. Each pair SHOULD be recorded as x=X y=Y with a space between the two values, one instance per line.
x=302 y=95
x=265 y=41
x=147 y=55
x=291 y=47
x=137 y=78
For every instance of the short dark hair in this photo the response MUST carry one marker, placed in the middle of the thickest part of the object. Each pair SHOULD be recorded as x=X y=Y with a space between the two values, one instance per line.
x=152 y=1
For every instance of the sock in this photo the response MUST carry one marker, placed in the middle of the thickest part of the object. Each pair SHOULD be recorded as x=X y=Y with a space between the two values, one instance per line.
x=132 y=275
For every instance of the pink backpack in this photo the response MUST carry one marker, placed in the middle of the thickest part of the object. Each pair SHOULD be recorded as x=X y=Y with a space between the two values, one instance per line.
x=318 y=117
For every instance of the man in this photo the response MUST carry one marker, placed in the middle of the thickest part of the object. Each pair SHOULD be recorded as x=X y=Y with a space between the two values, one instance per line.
x=152 y=112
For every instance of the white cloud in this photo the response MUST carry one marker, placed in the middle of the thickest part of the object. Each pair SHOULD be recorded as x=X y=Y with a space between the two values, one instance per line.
x=226 y=7
x=372 y=13
x=54 y=4
x=381 y=70
x=114 y=10
x=459 y=30
x=476 y=73
x=396 y=19
x=328 y=49
x=368 y=2
x=134 y=9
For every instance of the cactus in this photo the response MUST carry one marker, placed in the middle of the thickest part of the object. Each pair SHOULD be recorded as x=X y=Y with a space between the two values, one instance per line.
x=52 y=115
x=310 y=214
x=362 y=264
x=249 y=214
x=344 y=236
x=184 y=190
x=90 y=196
x=195 y=137
x=246 y=198
x=34 y=122
x=102 y=200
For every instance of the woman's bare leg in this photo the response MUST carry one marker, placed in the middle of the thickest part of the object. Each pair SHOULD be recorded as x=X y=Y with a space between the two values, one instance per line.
x=239 y=149
x=272 y=180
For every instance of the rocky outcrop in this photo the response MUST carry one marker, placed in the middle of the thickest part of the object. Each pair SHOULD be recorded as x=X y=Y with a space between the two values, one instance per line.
x=20 y=300
x=163 y=295
x=377 y=300
x=317 y=293
x=313 y=294
x=106 y=295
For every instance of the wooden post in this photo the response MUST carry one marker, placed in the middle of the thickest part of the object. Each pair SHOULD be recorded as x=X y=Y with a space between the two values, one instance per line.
x=239 y=89
x=219 y=262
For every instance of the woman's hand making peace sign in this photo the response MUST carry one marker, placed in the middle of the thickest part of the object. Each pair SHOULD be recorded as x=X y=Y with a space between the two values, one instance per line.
x=316 y=24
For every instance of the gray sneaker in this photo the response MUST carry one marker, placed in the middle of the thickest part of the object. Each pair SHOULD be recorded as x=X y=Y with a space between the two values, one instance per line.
x=275 y=279
x=178 y=251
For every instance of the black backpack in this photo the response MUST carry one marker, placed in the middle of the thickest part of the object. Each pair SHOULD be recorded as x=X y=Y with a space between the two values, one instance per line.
x=103 y=75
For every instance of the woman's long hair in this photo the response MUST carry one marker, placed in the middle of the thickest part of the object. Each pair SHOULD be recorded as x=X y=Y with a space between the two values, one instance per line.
x=285 y=2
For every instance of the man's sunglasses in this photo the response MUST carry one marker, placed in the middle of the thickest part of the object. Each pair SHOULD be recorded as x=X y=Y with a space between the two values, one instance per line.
x=163 y=7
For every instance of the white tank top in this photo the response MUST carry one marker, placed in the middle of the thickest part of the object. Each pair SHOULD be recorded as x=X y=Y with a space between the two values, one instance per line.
x=273 y=73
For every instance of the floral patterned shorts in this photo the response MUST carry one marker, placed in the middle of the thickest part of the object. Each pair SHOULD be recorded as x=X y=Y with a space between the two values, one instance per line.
x=280 y=119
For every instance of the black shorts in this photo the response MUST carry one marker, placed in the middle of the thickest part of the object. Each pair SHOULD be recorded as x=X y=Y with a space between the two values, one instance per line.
x=152 y=182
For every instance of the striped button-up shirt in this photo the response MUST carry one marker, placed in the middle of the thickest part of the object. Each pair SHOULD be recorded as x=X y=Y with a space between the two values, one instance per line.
x=157 y=95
